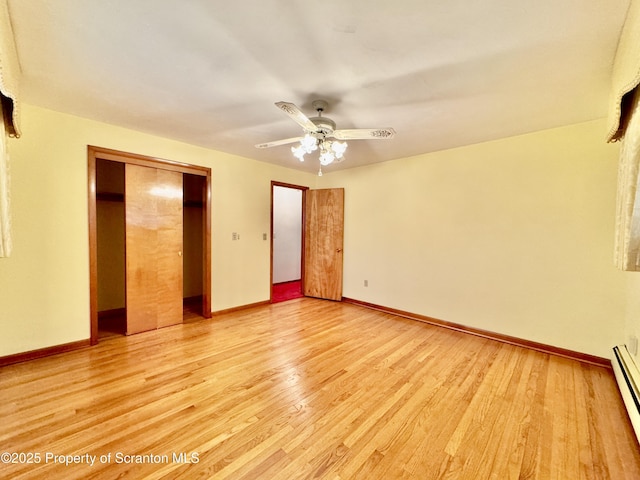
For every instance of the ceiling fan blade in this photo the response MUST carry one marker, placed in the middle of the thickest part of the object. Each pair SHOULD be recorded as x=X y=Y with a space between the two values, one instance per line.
x=296 y=114
x=278 y=142
x=364 y=134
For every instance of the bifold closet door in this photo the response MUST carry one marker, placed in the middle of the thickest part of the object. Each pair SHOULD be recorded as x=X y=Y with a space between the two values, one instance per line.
x=153 y=239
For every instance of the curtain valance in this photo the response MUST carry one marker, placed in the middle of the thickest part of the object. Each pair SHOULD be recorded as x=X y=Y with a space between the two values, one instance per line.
x=9 y=73
x=626 y=74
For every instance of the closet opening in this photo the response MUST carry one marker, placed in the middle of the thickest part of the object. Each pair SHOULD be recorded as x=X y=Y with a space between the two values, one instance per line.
x=149 y=243
x=194 y=197
x=110 y=215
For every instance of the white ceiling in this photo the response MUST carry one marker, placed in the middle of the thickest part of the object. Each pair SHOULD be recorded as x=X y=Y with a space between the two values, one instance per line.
x=207 y=72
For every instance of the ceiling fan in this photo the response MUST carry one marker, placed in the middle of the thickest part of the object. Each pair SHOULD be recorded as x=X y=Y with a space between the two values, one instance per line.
x=318 y=132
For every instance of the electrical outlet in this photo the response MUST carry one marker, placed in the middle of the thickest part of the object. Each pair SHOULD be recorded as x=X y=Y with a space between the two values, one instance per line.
x=235 y=236
x=264 y=236
x=366 y=283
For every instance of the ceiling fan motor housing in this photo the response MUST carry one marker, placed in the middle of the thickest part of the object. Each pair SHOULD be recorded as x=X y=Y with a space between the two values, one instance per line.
x=325 y=125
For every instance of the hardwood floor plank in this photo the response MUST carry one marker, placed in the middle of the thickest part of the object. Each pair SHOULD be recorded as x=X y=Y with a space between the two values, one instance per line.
x=315 y=389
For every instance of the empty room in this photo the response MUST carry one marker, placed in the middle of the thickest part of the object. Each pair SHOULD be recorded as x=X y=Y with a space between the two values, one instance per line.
x=333 y=240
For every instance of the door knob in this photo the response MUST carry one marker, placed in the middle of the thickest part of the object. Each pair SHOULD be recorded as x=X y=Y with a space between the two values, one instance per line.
x=338 y=250
x=180 y=254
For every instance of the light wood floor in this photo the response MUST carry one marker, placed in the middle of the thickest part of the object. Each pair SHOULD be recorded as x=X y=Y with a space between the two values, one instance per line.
x=315 y=389
x=114 y=323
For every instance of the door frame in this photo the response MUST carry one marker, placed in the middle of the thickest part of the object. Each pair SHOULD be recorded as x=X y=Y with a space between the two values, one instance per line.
x=94 y=153
x=304 y=202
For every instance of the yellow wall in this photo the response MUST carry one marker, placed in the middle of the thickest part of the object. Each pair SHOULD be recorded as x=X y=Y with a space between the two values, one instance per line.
x=44 y=285
x=513 y=236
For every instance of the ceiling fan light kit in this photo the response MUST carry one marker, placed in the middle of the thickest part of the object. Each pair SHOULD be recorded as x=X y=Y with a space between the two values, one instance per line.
x=318 y=132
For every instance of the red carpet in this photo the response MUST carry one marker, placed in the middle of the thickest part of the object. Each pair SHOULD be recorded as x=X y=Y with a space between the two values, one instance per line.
x=286 y=291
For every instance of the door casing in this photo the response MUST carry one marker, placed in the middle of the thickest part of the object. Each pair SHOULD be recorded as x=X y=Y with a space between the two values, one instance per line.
x=296 y=187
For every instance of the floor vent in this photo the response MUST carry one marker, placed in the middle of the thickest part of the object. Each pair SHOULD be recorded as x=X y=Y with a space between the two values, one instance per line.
x=628 y=378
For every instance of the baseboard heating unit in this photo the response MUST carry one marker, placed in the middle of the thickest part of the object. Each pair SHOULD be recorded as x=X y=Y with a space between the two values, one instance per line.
x=628 y=378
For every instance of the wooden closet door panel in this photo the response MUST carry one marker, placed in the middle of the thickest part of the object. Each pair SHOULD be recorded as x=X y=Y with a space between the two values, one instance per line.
x=141 y=241
x=169 y=253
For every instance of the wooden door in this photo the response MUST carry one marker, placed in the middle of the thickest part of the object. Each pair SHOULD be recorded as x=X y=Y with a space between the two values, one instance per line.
x=153 y=242
x=323 y=243
x=170 y=238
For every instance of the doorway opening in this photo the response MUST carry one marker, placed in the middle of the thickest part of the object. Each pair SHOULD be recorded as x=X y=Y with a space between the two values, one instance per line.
x=287 y=241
